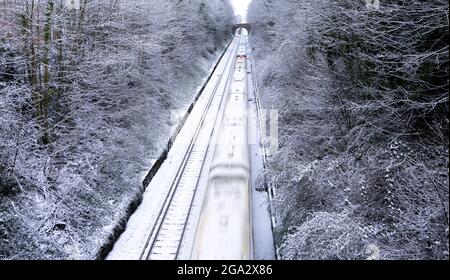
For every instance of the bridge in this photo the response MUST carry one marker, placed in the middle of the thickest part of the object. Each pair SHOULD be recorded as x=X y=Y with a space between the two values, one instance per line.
x=245 y=25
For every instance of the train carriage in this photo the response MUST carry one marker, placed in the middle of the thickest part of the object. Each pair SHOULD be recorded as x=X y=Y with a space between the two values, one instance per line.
x=224 y=230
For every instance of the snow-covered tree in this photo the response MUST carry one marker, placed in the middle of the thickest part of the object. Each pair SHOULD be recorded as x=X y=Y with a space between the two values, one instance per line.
x=362 y=93
x=86 y=88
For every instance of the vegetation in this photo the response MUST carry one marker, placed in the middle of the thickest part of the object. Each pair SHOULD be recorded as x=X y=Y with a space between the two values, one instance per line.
x=362 y=95
x=86 y=89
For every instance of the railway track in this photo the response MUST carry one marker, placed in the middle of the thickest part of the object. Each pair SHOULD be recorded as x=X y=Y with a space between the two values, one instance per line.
x=165 y=237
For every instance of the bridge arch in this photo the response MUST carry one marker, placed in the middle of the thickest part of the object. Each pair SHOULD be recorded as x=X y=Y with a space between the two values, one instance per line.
x=246 y=25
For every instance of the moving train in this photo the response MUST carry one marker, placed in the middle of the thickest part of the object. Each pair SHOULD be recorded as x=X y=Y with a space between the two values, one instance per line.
x=224 y=230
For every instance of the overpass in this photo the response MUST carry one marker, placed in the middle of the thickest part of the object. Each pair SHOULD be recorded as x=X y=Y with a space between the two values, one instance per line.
x=245 y=25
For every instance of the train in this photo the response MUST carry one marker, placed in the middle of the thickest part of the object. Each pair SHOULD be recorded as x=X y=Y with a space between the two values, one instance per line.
x=224 y=229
